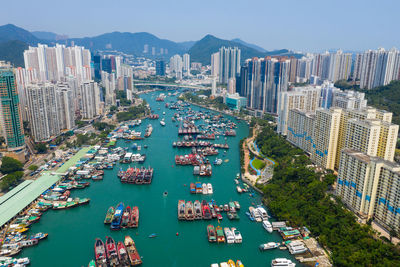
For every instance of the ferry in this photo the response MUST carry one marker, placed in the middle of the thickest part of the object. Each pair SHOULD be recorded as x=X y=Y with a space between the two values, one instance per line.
x=111 y=250
x=116 y=221
x=212 y=235
x=230 y=238
x=282 y=262
x=269 y=245
x=132 y=251
x=237 y=235
x=220 y=235
x=197 y=210
x=100 y=253
x=189 y=215
x=109 y=215
x=267 y=226
x=181 y=209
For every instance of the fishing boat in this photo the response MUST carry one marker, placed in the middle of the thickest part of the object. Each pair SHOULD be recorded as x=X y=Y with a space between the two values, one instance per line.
x=116 y=221
x=267 y=226
x=251 y=218
x=134 y=218
x=181 y=209
x=239 y=189
x=123 y=256
x=132 y=251
x=237 y=205
x=206 y=210
x=126 y=216
x=220 y=235
x=237 y=235
x=192 y=188
x=239 y=263
x=212 y=235
x=199 y=189
x=162 y=122
x=92 y=263
x=231 y=263
x=230 y=238
x=219 y=216
x=269 y=245
x=109 y=215
x=189 y=214
x=282 y=262
x=209 y=189
x=197 y=210
x=205 y=190
x=100 y=253
x=111 y=250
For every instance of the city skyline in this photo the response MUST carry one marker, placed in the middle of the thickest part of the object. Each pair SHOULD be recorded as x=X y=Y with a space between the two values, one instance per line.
x=291 y=28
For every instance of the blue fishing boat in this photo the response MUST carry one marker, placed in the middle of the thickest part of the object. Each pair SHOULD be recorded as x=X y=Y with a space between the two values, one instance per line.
x=134 y=146
x=116 y=222
x=250 y=216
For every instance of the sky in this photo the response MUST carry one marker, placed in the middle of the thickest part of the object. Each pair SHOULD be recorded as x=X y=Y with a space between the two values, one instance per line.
x=301 y=25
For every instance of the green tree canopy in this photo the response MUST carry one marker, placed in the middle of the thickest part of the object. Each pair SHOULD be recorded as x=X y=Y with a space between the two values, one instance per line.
x=10 y=165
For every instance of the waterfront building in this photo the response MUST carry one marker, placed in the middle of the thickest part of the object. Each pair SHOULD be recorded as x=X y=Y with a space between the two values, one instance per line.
x=235 y=101
x=229 y=63
x=10 y=118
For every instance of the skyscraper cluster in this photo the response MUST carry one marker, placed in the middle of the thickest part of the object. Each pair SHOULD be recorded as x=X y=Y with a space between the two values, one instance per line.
x=262 y=80
x=52 y=88
x=377 y=67
x=225 y=64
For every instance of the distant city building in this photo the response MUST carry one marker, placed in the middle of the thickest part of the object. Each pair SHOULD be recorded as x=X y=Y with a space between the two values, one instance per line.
x=10 y=118
x=215 y=65
x=235 y=101
x=229 y=63
x=231 y=88
x=145 y=49
x=186 y=64
x=160 y=68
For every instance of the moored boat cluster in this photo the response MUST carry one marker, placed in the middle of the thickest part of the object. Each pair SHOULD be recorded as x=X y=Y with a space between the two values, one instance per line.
x=136 y=175
x=190 y=211
x=122 y=217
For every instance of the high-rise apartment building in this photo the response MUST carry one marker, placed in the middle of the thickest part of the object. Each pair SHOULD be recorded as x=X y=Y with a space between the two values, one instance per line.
x=301 y=98
x=160 y=68
x=266 y=79
x=215 y=64
x=186 y=64
x=229 y=63
x=90 y=100
x=176 y=66
x=10 y=118
x=43 y=111
x=66 y=106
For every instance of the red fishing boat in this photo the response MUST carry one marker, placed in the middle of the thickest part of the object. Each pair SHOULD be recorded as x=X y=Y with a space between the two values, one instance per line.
x=134 y=219
x=100 y=253
x=111 y=250
x=132 y=252
x=206 y=210
x=126 y=216
x=123 y=255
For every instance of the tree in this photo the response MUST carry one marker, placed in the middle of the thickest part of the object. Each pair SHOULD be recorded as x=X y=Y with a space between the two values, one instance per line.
x=41 y=148
x=10 y=165
x=2 y=140
x=33 y=167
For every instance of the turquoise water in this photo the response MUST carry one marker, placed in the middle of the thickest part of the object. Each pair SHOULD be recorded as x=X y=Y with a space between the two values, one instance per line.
x=72 y=232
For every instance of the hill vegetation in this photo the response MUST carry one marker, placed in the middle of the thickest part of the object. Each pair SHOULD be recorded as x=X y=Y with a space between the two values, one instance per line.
x=13 y=51
x=298 y=194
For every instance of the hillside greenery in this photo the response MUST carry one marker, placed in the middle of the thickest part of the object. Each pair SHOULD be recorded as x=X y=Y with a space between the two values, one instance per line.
x=13 y=51
x=298 y=194
x=133 y=113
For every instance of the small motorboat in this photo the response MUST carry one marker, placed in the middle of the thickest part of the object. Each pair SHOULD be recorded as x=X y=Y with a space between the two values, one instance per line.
x=165 y=193
x=152 y=235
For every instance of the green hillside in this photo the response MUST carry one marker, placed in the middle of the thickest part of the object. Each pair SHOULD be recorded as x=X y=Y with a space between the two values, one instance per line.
x=13 y=51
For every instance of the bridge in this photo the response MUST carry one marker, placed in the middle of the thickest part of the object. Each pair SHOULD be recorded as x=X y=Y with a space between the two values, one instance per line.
x=196 y=87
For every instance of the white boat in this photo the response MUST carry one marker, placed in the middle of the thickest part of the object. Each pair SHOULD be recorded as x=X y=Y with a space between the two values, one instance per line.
x=237 y=235
x=230 y=238
x=269 y=245
x=205 y=190
x=236 y=181
x=162 y=122
x=214 y=265
x=239 y=189
x=163 y=113
x=209 y=188
x=267 y=226
x=282 y=262
x=255 y=214
x=217 y=161
x=263 y=213
x=296 y=247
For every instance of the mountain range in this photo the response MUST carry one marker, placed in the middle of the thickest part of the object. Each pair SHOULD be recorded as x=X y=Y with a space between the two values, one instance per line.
x=14 y=40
